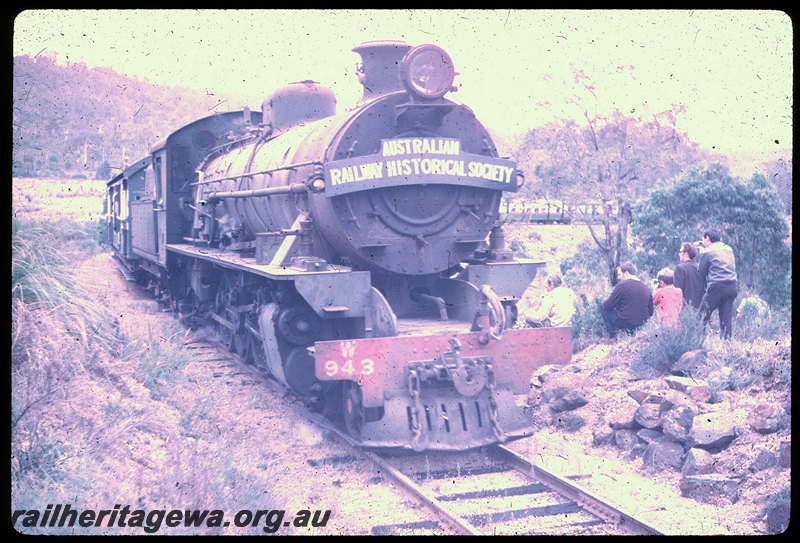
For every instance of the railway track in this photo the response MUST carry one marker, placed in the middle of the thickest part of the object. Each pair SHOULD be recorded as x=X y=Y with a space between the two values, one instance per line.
x=492 y=490
x=495 y=491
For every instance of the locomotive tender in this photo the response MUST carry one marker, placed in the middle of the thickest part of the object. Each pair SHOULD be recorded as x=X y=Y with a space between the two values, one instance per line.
x=358 y=257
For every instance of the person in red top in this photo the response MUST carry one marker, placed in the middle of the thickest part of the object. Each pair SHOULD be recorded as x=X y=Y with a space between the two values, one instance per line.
x=668 y=299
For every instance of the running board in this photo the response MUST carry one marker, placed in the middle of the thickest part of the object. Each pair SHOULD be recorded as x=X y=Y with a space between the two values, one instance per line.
x=124 y=269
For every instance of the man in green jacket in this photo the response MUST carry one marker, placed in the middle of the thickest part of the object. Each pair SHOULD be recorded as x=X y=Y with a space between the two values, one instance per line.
x=718 y=268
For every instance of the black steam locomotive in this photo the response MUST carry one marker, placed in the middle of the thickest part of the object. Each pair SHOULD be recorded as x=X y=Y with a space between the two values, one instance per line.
x=358 y=258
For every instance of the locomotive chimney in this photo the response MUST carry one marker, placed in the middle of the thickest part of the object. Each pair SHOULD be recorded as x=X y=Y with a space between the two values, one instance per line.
x=379 y=72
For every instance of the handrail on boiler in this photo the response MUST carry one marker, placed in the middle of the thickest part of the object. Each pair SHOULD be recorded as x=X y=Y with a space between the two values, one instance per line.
x=295 y=188
x=250 y=174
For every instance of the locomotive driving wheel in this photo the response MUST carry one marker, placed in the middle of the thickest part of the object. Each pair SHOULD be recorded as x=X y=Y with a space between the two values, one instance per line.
x=352 y=409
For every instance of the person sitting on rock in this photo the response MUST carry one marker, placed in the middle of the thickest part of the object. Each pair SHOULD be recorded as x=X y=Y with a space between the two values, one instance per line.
x=629 y=305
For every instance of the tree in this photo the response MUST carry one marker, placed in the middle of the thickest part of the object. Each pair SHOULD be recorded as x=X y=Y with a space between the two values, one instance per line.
x=612 y=161
x=104 y=171
x=748 y=213
x=780 y=172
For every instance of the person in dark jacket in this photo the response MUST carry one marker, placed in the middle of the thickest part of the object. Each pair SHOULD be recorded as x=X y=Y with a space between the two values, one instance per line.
x=629 y=305
x=717 y=267
x=687 y=276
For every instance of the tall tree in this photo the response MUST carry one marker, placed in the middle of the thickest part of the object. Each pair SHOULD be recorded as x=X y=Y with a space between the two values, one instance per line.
x=748 y=213
x=612 y=161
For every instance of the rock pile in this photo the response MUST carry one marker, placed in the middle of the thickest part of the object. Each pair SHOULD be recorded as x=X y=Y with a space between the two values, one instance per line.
x=675 y=422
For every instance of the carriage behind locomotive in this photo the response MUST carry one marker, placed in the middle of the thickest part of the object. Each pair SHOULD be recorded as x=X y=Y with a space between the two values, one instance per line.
x=358 y=258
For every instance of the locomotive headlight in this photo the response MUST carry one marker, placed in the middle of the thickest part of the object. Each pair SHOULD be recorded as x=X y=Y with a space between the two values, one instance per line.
x=318 y=184
x=427 y=71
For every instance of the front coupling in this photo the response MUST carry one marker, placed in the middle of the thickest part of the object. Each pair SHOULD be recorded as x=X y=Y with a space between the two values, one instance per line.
x=469 y=375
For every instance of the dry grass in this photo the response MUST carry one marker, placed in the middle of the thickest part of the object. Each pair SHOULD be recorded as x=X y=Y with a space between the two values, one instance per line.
x=106 y=407
x=55 y=199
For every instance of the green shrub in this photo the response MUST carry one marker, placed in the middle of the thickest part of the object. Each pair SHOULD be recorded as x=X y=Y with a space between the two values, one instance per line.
x=754 y=360
x=160 y=358
x=747 y=328
x=657 y=348
x=587 y=323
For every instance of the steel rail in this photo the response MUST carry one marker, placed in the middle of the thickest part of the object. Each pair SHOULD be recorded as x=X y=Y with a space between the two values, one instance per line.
x=582 y=497
x=460 y=525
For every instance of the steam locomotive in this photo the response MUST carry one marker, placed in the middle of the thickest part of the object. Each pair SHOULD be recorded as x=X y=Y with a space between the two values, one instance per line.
x=357 y=258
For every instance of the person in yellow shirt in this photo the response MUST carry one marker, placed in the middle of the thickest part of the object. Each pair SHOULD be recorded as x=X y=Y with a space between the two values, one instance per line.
x=557 y=307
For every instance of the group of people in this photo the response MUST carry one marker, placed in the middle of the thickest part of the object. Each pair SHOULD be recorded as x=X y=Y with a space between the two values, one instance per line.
x=708 y=283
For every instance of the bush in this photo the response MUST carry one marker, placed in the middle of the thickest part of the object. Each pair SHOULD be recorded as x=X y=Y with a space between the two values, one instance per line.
x=587 y=323
x=585 y=271
x=42 y=278
x=753 y=360
x=748 y=328
x=657 y=348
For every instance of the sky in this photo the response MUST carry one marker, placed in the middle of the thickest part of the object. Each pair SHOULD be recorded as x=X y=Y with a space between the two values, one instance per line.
x=729 y=72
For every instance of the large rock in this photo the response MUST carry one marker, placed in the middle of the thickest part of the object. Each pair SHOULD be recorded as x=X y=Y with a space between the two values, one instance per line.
x=639 y=395
x=766 y=418
x=712 y=431
x=571 y=399
x=698 y=461
x=663 y=454
x=676 y=398
x=650 y=436
x=785 y=455
x=764 y=460
x=677 y=421
x=626 y=439
x=778 y=514
x=696 y=389
x=562 y=391
x=691 y=364
x=711 y=488
x=622 y=418
x=648 y=415
x=602 y=436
